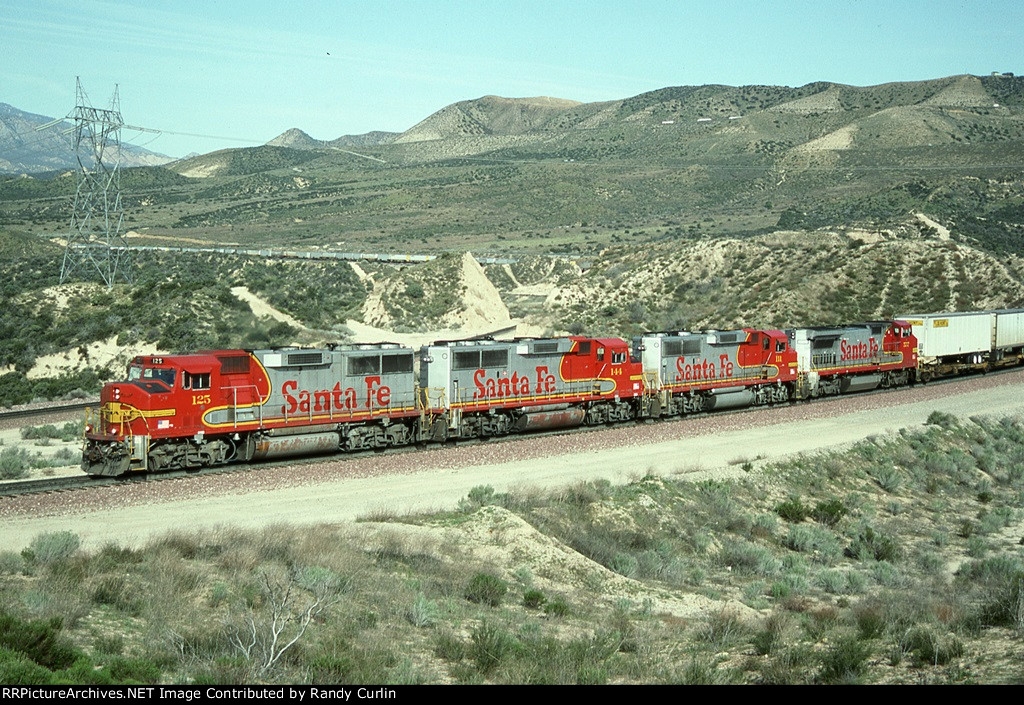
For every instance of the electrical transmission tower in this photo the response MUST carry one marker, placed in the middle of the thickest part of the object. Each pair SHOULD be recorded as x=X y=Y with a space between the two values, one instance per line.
x=95 y=239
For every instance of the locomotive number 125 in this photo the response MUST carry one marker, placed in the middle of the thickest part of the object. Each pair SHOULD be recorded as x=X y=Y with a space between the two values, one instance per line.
x=200 y=399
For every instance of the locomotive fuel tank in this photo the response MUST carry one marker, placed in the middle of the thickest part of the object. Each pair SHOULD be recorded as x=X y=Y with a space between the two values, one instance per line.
x=289 y=446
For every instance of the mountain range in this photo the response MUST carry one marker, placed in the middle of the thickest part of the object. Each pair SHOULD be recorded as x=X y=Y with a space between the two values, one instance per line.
x=820 y=115
x=549 y=174
x=670 y=122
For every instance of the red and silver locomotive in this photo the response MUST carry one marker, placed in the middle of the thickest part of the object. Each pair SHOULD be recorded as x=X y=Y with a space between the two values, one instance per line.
x=493 y=387
x=212 y=408
x=854 y=358
x=700 y=371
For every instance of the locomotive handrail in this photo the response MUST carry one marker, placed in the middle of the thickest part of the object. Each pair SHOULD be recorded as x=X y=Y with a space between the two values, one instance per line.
x=234 y=402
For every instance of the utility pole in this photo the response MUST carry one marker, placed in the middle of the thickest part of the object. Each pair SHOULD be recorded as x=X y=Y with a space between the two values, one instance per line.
x=94 y=238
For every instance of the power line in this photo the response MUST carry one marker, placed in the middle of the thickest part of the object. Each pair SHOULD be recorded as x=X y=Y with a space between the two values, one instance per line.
x=193 y=134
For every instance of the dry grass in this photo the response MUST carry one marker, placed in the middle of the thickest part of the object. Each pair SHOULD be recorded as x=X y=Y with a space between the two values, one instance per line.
x=654 y=581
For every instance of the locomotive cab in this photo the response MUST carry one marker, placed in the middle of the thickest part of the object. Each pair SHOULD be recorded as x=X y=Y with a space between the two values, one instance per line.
x=160 y=398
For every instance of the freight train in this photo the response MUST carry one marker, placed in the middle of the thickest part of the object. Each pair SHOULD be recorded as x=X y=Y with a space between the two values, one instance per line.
x=212 y=408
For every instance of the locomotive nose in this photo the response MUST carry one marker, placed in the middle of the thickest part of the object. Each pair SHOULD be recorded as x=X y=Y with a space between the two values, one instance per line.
x=125 y=393
x=116 y=393
x=120 y=405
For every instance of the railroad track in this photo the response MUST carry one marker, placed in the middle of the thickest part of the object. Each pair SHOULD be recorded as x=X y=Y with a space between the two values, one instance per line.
x=64 y=408
x=70 y=483
x=51 y=484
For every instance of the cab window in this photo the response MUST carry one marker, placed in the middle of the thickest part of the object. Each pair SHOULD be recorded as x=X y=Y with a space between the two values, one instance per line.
x=618 y=358
x=780 y=346
x=160 y=375
x=195 y=380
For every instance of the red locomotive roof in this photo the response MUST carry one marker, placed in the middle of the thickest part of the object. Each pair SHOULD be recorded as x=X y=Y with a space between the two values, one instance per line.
x=607 y=342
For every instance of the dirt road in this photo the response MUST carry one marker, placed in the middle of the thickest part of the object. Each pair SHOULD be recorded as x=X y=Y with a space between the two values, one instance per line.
x=339 y=491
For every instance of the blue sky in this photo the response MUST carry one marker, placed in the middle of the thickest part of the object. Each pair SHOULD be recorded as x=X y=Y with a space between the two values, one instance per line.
x=242 y=72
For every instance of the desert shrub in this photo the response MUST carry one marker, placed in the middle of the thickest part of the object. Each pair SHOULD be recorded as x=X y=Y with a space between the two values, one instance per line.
x=872 y=545
x=229 y=671
x=764 y=526
x=487 y=589
x=724 y=629
x=479 y=496
x=491 y=645
x=133 y=670
x=845 y=661
x=448 y=646
x=39 y=640
x=749 y=558
x=929 y=648
x=996 y=519
x=54 y=545
x=977 y=547
x=832 y=581
x=1002 y=582
x=789 y=666
x=814 y=539
x=114 y=590
x=320 y=580
x=941 y=419
x=68 y=432
x=14 y=463
x=772 y=634
x=828 y=512
x=792 y=510
x=885 y=573
x=422 y=612
x=113 y=556
x=870 y=619
x=888 y=478
x=584 y=493
x=18 y=669
x=557 y=607
x=112 y=644
x=534 y=599
x=11 y=563
x=337 y=660
x=624 y=564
